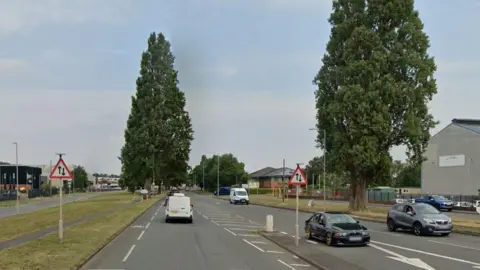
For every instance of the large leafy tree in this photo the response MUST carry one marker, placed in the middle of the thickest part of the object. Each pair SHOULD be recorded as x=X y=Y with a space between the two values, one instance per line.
x=159 y=131
x=80 y=177
x=373 y=89
x=232 y=171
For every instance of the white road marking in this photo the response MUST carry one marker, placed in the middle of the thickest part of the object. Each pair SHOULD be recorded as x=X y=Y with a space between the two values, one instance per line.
x=241 y=229
x=204 y=216
x=283 y=232
x=300 y=265
x=140 y=236
x=215 y=222
x=148 y=225
x=128 y=253
x=454 y=245
x=398 y=257
x=387 y=233
x=295 y=257
x=230 y=231
x=253 y=222
x=259 y=242
x=427 y=253
x=233 y=222
x=274 y=251
x=151 y=219
x=239 y=225
x=137 y=226
x=286 y=264
x=312 y=242
x=253 y=245
x=478 y=267
x=156 y=213
x=249 y=235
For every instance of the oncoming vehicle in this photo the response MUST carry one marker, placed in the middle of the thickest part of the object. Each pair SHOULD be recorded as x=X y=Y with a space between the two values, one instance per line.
x=179 y=207
x=336 y=228
x=421 y=218
x=239 y=195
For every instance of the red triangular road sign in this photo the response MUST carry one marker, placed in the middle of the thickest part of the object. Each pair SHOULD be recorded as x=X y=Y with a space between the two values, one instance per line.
x=61 y=171
x=298 y=177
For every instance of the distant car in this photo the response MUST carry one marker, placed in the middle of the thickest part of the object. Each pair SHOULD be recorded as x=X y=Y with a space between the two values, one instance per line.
x=239 y=195
x=336 y=228
x=179 y=207
x=421 y=218
x=437 y=201
x=224 y=191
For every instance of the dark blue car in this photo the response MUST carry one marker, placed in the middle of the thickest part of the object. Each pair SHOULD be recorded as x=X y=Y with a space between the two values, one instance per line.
x=439 y=202
x=224 y=191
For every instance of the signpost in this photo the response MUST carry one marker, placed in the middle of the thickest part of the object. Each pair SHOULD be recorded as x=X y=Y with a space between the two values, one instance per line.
x=298 y=178
x=61 y=172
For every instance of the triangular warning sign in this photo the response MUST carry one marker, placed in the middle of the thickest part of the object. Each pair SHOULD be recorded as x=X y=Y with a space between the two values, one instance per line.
x=61 y=171
x=298 y=177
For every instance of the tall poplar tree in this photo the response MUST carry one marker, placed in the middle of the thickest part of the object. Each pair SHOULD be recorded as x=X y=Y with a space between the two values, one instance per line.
x=373 y=89
x=159 y=132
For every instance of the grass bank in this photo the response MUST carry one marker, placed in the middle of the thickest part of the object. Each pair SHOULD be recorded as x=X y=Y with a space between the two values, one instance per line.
x=15 y=226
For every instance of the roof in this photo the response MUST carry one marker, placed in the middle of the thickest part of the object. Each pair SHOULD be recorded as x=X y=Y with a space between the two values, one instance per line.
x=272 y=172
x=472 y=125
x=19 y=165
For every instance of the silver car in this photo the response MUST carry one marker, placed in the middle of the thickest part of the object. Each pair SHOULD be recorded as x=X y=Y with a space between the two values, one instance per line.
x=420 y=218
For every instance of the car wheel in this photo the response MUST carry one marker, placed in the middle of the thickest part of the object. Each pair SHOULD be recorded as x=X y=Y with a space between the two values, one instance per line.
x=308 y=234
x=247 y=203
x=230 y=201
x=166 y=220
x=391 y=225
x=417 y=229
x=445 y=234
x=449 y=210
x=329 y=239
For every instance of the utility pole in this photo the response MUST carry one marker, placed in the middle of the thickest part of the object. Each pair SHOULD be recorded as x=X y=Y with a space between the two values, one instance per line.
x=203 y=175
x=218 y=176
x=16 y=177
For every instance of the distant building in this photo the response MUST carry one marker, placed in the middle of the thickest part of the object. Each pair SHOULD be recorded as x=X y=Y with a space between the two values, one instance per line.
x=270 y=177
x=452 y=165
x=29 y=177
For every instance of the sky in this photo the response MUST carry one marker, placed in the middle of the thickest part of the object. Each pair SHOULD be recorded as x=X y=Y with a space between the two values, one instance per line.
x=68 y=70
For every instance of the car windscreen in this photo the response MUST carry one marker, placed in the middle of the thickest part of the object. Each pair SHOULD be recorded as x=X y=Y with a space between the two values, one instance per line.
x=439 y=198
x=240 y=193
x=426 y=209
x=340 y=218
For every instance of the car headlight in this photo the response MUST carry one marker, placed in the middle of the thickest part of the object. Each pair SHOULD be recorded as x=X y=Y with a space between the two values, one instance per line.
x=429 y=221
x=341 y=234
x=365 y=233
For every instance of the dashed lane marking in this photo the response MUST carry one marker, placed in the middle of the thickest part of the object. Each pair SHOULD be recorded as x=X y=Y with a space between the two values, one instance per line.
x=148 y=225
x=259 y=242
x=300 y=265
x=215 y=223
x=274 y=251
x=283 y=233
x=205 y=216
x=312 y=242
x=140 y=236
x=248 y=235
x=238 y=225
x=241 y=229
x=230 y=231
x=128 y=253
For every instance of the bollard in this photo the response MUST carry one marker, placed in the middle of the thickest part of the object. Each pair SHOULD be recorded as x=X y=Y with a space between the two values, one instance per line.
x=269 y=223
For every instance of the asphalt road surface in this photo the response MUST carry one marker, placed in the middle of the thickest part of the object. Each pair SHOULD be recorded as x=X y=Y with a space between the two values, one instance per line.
x=454 y=213
x=44 y=203
x=204 y=245
x=394 y=251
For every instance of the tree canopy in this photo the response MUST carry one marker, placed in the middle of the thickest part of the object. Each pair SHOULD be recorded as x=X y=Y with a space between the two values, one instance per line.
x=373 y=89
x=159 y=131
x=232 y=171
x=80 y=177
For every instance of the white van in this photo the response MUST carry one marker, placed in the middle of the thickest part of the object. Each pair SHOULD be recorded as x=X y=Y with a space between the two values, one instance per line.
x=179 y=207
x=239 y=195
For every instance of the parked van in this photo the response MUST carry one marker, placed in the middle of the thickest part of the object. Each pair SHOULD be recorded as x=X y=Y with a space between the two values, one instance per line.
x=179 y=207
x=239 y=195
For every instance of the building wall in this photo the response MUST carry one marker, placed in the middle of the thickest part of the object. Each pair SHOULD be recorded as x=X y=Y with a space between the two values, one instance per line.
x=455 y=180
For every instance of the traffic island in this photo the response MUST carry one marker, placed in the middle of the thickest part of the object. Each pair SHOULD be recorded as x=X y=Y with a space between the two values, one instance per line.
x=307 y=252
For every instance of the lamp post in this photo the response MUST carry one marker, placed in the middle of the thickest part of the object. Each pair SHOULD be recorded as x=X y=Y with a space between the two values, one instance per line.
x=16 y=177
x=324 y=166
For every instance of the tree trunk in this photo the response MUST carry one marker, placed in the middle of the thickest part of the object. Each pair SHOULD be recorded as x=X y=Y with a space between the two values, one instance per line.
x=148 y=184
x=357 y=196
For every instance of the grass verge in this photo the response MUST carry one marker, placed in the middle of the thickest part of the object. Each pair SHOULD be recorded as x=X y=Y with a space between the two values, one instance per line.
x=15 y=226
x=13 y=203
x=80 y=243
x=375 y=214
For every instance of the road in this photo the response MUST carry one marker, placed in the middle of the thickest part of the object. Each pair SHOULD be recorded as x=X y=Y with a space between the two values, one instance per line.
x=150 y=243
x=454 y=252
x=44 y=203
x=454 y=213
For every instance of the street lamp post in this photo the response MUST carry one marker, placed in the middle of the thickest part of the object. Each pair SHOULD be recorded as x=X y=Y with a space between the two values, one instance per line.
x=324 y=166
x=16 y=177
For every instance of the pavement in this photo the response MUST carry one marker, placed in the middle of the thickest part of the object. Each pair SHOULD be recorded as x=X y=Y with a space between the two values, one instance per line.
x=45 y=203
x=454 y=213
x=217 y=240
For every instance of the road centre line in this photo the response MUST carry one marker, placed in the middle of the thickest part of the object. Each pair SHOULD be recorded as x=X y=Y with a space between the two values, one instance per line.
x=427 y=253
x=274 y=251
x=128 y=253
x=239 y=225
x=253 y=245
x=230 y=231
x=215 y=222
x=148 y=225
x=205 y=216
x=300 y=265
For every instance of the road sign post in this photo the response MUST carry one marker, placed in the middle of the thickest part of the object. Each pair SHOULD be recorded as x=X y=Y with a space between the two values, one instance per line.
x=298 y=178
x=61 y=173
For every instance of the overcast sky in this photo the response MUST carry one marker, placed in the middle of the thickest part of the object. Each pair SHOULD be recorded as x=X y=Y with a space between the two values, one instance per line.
x=68 y=69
